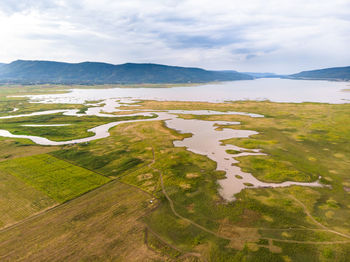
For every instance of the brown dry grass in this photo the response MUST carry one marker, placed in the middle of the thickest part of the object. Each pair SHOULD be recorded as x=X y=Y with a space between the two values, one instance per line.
x=192 y=175
x=101 y=225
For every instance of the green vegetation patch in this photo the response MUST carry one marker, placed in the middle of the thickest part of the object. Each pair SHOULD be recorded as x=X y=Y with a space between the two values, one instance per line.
x=272 y=170
x=112 y=163
x=233 y=152
x=155 y=243
x=77 y=126
x=57 y=178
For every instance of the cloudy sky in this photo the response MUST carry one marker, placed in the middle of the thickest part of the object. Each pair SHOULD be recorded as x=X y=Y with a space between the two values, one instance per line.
x=282 y=36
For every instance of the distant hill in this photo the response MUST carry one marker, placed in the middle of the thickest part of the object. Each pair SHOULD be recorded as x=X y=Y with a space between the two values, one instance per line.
x=334 y=73
x=38 y=72
x=262 y=75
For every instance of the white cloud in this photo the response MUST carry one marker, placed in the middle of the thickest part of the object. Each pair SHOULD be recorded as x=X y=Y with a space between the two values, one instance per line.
x=247 y=35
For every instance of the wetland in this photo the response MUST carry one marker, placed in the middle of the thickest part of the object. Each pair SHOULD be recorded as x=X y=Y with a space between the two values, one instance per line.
x=199 y=177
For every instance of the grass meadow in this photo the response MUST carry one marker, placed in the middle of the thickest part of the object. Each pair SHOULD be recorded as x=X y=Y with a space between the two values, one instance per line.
x=58 y=179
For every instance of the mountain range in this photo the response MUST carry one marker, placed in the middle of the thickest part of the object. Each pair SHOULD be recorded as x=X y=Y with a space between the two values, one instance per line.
x=43 y=72
x=40 y=72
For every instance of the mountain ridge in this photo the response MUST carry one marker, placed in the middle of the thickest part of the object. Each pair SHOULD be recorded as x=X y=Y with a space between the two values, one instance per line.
x=41 y=71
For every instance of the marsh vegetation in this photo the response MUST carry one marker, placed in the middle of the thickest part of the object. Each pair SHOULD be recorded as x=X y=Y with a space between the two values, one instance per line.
x=154 y=201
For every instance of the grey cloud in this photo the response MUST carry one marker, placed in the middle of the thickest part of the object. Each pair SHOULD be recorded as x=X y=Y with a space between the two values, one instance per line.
x=199 y=41
x=250 y=56
x=225 y=34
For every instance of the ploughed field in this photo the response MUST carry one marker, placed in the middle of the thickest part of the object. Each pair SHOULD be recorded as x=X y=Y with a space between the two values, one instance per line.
x=134 y=196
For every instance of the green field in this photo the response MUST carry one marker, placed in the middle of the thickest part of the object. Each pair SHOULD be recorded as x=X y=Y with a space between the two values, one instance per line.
x=58 y=179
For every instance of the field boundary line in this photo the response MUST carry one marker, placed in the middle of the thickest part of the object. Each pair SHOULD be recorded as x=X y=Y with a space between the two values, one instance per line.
x=53 y=207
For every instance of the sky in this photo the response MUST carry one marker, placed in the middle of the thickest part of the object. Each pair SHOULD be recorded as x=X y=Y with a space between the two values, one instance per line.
x=281 y=36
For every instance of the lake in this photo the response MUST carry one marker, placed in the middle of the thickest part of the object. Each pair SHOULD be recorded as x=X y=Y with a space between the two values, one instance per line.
x=273 y=89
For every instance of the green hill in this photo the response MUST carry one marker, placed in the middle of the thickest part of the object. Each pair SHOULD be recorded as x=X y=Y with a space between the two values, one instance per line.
x=334 y=73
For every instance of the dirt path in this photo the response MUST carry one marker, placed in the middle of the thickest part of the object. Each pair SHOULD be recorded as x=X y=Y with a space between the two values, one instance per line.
x=308 y=242
x=324 y=228
x=160 y=238
x=171 y=203
x=315 y=221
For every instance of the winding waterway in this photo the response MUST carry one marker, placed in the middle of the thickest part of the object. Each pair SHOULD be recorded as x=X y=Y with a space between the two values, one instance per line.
x=205 y=140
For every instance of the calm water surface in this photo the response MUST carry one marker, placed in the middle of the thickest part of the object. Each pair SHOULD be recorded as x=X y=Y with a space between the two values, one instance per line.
x=274 y=89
